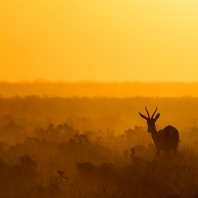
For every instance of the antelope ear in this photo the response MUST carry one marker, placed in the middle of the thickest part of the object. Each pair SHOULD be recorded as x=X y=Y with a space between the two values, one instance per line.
x=157 y=116
x=143 y=116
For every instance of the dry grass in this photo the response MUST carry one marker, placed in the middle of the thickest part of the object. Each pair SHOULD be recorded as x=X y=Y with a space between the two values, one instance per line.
x=58 y=160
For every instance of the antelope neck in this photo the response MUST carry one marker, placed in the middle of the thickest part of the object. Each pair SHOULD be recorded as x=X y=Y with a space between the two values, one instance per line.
x=154 y=133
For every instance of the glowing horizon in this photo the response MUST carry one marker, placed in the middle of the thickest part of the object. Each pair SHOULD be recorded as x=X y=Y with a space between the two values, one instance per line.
x=100 y=41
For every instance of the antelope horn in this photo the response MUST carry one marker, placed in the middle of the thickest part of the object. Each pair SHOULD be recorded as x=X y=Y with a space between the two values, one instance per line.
x=147 y=112
x=154 y=112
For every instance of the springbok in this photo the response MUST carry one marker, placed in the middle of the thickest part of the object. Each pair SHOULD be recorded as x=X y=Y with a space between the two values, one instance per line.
x=166 y=139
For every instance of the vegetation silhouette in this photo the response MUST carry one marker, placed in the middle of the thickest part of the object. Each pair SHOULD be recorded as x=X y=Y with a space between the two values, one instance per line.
x=83 y=147
x=166 y=139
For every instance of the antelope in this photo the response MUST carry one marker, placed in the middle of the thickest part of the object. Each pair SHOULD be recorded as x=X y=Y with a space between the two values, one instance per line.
x=166 y=139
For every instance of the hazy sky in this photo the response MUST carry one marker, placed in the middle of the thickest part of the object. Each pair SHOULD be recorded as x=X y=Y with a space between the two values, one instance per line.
x=99 y=40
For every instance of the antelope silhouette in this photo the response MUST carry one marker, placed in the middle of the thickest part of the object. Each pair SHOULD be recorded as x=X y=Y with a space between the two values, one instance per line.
x=166 y=139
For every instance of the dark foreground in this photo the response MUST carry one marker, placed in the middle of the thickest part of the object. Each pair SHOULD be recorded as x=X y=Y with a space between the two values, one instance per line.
x=55 y=148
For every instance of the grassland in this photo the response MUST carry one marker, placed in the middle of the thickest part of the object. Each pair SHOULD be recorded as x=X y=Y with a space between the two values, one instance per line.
x=99 y=147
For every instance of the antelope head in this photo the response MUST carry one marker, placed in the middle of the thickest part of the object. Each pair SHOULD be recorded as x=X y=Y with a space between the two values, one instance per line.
x=150 y=120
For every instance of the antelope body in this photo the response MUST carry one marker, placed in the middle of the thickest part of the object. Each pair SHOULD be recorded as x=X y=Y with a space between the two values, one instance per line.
x=166 y=139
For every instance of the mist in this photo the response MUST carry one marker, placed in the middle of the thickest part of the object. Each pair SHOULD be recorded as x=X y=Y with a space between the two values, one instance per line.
x=99 y=146
x=99 y=89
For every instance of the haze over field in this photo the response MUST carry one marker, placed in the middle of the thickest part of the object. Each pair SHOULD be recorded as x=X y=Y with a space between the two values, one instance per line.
x=75 y=77
x=94 y=89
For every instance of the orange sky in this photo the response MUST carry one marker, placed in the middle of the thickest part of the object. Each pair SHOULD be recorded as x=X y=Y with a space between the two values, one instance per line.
x=99 y=40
